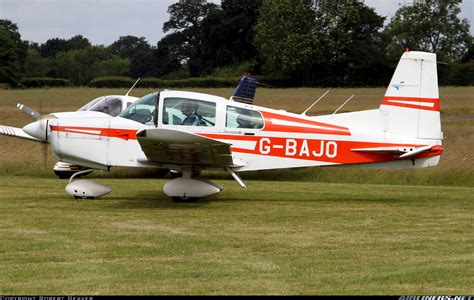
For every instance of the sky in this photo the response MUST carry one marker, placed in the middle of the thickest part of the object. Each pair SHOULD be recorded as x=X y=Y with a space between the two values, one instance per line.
x=104 y=21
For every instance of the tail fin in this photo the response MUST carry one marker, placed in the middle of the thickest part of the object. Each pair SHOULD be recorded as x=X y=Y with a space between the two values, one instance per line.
x=245 y=91
x=411 y=102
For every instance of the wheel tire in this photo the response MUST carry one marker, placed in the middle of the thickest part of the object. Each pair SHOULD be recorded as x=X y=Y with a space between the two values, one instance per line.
x=184 y=199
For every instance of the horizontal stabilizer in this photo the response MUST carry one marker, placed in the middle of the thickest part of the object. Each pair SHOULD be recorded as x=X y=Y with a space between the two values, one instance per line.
x=402 y=152
x=16 y=132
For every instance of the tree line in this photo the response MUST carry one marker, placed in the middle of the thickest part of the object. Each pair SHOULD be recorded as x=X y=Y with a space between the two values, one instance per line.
x=294 y=42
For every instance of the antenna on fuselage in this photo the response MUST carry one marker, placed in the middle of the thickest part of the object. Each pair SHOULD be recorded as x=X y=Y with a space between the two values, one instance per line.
x=314 y=103
x=343 y=104
x=133 y=86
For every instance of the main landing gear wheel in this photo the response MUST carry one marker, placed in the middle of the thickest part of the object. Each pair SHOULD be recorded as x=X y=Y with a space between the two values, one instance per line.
x=184 y=199
x=186 y=189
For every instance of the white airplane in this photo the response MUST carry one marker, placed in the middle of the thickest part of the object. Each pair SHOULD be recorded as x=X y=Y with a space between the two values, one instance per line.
x=188 y=132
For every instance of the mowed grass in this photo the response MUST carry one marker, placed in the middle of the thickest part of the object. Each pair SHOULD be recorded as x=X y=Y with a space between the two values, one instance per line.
x=273 y=238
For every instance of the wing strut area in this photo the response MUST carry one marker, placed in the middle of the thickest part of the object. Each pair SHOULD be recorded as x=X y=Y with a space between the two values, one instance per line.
x=236 y=177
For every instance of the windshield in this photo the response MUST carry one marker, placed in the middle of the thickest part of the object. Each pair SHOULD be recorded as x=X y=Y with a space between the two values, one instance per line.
x=143 y=110
x=90 y=103
x=110 y=105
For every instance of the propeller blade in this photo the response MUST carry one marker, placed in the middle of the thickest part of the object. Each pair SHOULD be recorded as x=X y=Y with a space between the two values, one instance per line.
x=30 y=112
x=44 y=147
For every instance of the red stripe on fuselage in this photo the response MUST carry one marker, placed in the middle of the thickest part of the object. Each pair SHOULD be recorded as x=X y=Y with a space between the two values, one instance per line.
x=333 y=151
x=285 y=123
x=125 y=134
x=431 y=104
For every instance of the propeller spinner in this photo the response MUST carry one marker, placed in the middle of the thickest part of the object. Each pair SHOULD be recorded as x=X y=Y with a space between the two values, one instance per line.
x=39 y=129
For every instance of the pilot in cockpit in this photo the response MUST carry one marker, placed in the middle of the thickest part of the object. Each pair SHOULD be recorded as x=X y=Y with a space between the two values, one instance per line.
x=189 y=108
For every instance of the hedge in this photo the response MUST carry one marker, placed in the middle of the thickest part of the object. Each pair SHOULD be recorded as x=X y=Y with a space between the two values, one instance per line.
x=37 y=82
x=111 y=82
x=195 y=82
x=200 y=82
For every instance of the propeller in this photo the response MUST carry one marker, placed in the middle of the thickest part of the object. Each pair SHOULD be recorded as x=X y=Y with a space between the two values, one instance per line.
x=44 y=146
x=29 y=111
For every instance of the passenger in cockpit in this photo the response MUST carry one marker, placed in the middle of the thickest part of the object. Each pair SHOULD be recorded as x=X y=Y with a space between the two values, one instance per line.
x=245 y=120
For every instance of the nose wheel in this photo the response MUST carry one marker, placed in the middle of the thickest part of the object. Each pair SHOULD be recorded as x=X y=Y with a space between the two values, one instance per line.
x=85 y=188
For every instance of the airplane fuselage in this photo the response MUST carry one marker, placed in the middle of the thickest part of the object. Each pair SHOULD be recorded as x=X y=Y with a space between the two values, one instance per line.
x=284 y=140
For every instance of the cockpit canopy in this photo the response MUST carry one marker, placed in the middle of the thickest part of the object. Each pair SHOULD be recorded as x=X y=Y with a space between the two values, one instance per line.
x=106 y=104
x=143 y=110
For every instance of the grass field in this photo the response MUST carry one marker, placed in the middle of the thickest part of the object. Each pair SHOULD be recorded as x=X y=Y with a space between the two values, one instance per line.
x=274 y=238
x=306 y=231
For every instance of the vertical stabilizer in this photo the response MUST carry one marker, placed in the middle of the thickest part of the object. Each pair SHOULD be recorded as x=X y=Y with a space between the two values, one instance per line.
x=245 y=91
x=411 y=102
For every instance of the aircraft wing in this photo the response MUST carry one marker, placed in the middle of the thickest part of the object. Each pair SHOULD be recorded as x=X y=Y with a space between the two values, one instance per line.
x=170 y=146
x=16 y=132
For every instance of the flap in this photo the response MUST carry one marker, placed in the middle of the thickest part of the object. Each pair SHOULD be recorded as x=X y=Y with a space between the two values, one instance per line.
x=403 y=152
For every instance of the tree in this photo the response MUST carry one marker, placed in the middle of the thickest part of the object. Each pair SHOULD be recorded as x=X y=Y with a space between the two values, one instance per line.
x=83 y=65
x=141 y=55
x=285 y=36
x=227 y=33
x=430 y=25
x=352 y=44
x=13 y=52
x=186 y=17
x=53 y=46
x=128 y=46
x=170 y=54
x=35 y=64
x=77 y=42
x=324 y=42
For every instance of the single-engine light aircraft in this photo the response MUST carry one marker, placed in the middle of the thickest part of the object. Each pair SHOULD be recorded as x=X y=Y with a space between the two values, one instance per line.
x=188 y=132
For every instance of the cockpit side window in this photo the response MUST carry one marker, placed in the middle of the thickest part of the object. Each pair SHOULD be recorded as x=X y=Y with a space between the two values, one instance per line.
x=189 y=112
x=143 y=110
x=111 y=106
x=243 y=118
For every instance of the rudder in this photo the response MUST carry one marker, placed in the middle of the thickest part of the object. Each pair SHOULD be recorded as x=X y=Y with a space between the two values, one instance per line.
x=411 y=102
